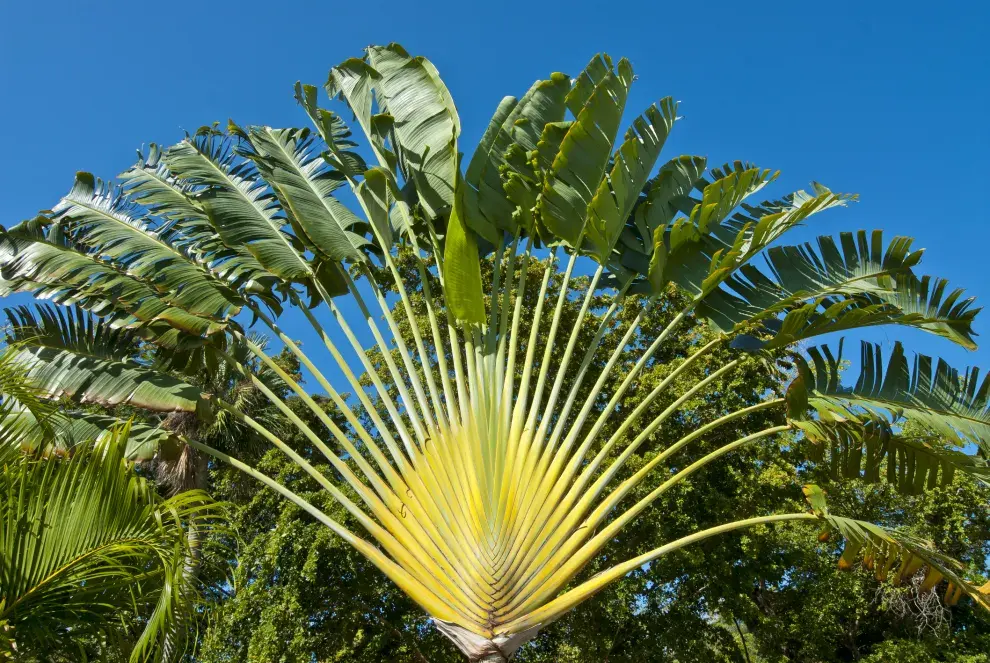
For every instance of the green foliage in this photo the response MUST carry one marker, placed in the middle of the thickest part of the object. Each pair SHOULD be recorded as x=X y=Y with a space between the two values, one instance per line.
x=90 y=554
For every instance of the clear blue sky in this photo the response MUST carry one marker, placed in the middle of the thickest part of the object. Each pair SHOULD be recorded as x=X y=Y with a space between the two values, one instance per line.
x=887 y=99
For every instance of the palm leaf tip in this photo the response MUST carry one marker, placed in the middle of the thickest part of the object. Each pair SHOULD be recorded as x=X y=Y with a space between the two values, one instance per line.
x=951 y=403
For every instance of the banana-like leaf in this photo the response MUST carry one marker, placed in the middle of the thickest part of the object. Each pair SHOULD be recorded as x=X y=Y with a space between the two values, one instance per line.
x=481 y=176
x=376 y=194
x=879 y=306
x=68 y=275
x=609 y=210
x=873 y=452
x=945 y=401
x=597 y=100
x=700 y=252
x=109 y=224
x=950 y=316
x=87 y=379
x=150 y=183
x=761 y=227
x=88 y=361
x=525 y=174
x=239 y=205
x=304 y=185
x=520 y=123
x=855 y=264
x=680 y=247
x=353 y=81
x=334 y=132
x=426 y=125
x=662 y=197
x=462 y=269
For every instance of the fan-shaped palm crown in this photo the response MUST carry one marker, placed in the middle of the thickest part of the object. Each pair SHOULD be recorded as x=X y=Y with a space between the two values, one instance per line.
x=483 y=487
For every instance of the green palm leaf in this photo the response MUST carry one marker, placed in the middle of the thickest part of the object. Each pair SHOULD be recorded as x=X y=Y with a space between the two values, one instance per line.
x=84 y=539
x=96 y=217
x=899 y=300
x=702 y=251
x=61 y=432
x=150 y=183
x=334 y=132
x=873 y=452
x=663 y=196
x=238 y=204
x=65 y=274
x=855 y=264
x=617 y=193
x=597 y=100
x=304 y=185
x=426 y=125
x=515 y=122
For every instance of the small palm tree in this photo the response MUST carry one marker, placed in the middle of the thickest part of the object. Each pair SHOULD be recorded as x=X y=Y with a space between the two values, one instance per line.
x=484 y=487
x=85 y=543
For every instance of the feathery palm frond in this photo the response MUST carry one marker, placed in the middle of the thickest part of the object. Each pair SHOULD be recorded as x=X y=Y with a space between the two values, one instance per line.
x=85 y=539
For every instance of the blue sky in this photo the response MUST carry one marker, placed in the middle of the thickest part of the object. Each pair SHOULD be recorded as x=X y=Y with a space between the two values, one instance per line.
x=885 y=99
